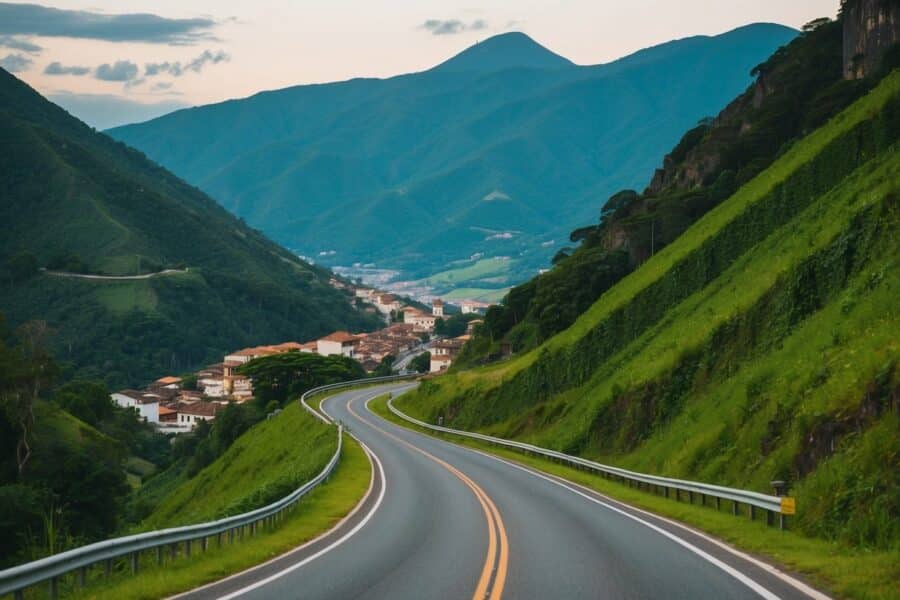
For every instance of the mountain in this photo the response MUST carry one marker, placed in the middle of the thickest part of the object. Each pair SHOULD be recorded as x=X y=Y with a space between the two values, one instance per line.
x=75 y=200
x=796 y=90
x=501 y=150
x=505 y=51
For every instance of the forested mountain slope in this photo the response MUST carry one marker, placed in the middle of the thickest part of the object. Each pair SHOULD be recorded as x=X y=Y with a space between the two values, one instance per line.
x=500 y=150
x=761 y=344
x=75 y=200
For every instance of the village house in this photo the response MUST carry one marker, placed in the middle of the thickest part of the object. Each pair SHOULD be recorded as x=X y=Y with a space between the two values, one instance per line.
x=339 y=342
x=444 y=351
x=470 y=307
x=211 y=380
x=169 y=382
x=191 y=414
x=144 y=403
x=420 y=321
x=387 y=303
x=437 y=307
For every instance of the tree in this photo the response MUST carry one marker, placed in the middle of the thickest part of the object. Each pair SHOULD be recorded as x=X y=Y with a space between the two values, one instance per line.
x=385 y=367
x=287 y=375
x=88 y=400
x=22 y=266
x=421 y=363
x=24 y=372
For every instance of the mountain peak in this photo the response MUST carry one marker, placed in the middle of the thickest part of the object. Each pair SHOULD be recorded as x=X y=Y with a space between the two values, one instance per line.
x=505 y=51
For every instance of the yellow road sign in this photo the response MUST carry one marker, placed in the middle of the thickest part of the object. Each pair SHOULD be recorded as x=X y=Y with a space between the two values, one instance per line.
x=788 y=506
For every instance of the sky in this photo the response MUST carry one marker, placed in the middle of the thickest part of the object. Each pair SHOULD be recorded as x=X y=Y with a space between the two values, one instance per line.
x=117 y=61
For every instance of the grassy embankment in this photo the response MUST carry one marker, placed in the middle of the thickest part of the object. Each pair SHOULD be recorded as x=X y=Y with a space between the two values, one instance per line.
x=851 y=573
x=762 y=344
x=261 y=466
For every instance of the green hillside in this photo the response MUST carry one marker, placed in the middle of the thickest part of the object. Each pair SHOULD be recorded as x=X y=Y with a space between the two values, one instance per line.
x=265 y=464
x=761 y=344
x=796 y=90
x=501 y=150
x=75 y=200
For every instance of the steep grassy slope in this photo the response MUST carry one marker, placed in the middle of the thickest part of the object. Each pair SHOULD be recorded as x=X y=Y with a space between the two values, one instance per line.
x=75 y=200
x=423 y=169
x=796 y=90
x=761 y=344
x=266 y=463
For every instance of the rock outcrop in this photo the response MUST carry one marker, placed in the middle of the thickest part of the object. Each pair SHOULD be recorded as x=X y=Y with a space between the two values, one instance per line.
x=870 y=28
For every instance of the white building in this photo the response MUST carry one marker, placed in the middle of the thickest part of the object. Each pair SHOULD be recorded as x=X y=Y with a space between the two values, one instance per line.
x=339 y=342
x=470 y=307
x=189 y=415
x=146 y=404
x=437 y=307
x=419 y=320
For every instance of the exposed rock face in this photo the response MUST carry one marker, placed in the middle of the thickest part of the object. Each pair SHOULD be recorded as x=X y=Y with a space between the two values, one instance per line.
x=870 y=28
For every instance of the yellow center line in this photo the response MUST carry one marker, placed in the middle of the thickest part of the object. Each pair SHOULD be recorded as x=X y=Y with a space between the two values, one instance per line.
x=496 y=528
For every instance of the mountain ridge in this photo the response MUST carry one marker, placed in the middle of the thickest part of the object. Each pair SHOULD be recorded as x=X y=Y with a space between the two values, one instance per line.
x=313 y=166
x=504 y=51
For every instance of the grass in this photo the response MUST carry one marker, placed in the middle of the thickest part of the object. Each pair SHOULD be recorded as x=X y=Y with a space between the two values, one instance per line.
x=318 y=512
x=843 y=571
x=264 y=464
x=122 y=297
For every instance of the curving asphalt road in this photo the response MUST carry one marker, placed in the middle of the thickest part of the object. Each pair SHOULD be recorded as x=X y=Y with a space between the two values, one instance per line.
x=442 y=521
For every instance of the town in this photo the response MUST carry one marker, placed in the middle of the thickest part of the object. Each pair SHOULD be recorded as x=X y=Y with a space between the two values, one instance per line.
x=176 y=404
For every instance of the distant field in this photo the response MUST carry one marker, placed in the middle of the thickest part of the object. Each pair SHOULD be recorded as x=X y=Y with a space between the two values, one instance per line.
x=477 y=294
x=486 y=267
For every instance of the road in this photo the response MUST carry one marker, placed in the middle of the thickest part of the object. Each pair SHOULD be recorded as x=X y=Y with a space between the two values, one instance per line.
x=162 y=273
x=442 y=521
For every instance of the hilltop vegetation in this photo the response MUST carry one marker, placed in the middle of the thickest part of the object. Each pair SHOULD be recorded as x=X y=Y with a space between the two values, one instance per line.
x=761 y=344
x=499 y=150
x=76 y=200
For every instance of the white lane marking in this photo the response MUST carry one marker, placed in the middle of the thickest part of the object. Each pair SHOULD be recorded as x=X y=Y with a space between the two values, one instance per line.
x=372 y=457
x=762 y=591
x=750 y=583
x=329 y=548
x=784 y=577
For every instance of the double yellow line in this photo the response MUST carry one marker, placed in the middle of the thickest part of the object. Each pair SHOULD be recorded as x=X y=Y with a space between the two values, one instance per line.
x=496 y=563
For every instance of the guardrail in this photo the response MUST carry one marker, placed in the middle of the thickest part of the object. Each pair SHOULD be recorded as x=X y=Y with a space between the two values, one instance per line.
x=16 y=579
x=335 y=386
x=773 y=505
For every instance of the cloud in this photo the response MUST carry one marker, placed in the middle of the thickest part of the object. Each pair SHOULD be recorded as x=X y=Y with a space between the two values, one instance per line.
x=121 y=70
x=452 y=26
x=15 y=63
x=161 y=86
x=177 y=69
x=57 y=68
x=32 y=19
x=8 y=41
x=106 y=110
